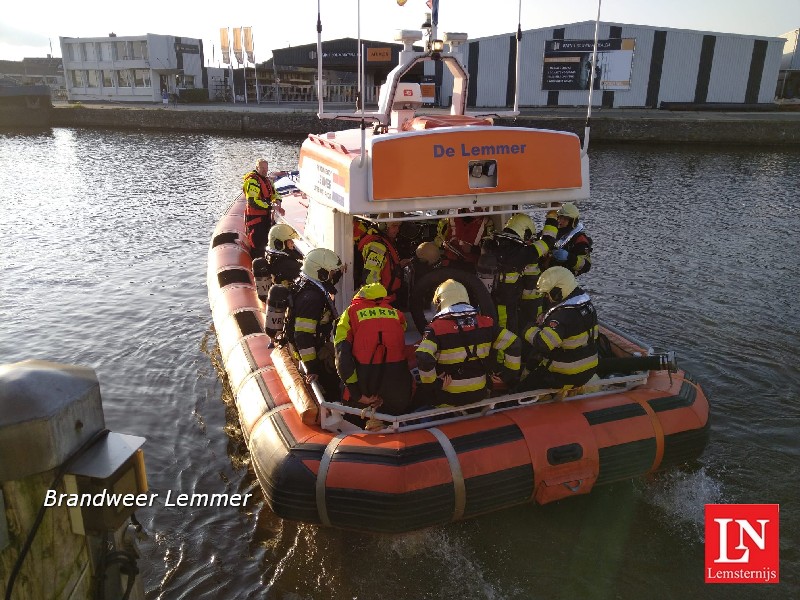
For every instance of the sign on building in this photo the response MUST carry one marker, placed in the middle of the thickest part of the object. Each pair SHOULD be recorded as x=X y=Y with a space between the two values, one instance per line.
x=568 y=64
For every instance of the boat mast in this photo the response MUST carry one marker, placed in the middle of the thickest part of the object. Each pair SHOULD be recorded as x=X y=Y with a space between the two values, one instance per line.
x=519 y=49
x=591 y=82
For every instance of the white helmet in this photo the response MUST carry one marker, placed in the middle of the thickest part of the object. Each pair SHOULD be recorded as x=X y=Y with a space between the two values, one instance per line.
x=558 y=282
x=278 y=236
x=322 y=265
x=448 y=293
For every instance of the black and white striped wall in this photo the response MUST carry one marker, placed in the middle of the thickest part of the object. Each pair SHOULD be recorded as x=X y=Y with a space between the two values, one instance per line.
x=669 y=65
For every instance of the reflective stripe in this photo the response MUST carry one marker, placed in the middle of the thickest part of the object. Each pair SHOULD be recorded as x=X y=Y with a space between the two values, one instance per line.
x=307 y=354
x=459 y=490
x=322 y=474
x=305 y=325
x=572 y=368
x=427 y=346
x=550 y=337
x=576 y=341
x=502 y=315
x=549 y=230
x=514 y=363
x=509 y=277
x=504 y=339
x=470 y=384
x=427 y=376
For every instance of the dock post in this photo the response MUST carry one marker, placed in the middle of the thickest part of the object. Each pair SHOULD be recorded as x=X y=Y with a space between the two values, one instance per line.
x=52 y=433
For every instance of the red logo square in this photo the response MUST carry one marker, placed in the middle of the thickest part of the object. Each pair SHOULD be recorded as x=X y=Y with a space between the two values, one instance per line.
x=742 y=543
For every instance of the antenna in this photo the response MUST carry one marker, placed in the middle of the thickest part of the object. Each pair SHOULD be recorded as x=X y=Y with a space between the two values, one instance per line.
x=591 y=82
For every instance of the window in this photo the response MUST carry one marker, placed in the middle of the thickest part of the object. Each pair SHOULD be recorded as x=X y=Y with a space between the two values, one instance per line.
x=89 y=51
x=108 y=78
x=92 y=79
x=144 y=50
x=141 y=78
x=77 y=52
x=76 y=78
x=188 y=81
x=124 y=78
x=107 y=51
x=122 y=51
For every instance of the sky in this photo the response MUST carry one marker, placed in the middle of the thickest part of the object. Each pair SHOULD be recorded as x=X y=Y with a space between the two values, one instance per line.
x=30 y=29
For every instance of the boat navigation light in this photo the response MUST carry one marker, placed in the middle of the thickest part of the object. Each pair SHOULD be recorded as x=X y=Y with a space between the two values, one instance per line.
x=437 y=46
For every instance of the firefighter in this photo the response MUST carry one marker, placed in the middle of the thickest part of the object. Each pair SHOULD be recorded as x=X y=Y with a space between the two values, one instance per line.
x=460 y=352
x=311 y=317
x=280 y=263
x=515 y=248
x=371 y=352
x=564 y=343
x=531 y=303
x=261 y=199
x=382 y=263
x=461 y=237
x=572 y=248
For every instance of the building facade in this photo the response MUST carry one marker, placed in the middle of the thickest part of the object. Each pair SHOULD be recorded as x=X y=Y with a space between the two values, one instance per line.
x=637 y=66
x=132 y=68
x=789 y=78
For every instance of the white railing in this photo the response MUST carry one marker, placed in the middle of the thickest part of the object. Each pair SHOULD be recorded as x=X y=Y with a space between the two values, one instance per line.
x=332 y=413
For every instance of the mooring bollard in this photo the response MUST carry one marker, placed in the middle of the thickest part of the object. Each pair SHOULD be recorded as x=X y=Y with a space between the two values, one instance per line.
x=68 y=488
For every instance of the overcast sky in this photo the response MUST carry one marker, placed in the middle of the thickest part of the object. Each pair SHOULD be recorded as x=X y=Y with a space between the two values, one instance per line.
x=29 y=28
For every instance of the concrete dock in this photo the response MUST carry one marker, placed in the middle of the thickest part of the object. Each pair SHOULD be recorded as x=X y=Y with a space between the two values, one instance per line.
x=773 y=127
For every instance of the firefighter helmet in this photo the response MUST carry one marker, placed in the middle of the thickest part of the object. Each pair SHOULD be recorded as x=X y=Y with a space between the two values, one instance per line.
x=279 y=234
x=429 y=253
x=372 y=291
x=568 y=210
x=450 y=292
x=521 y=225
x=558 y=282
x=322 y=265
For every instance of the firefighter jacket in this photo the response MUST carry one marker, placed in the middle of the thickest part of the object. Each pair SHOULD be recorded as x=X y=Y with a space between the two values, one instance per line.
x=370 y=350
x=310 y=321
x=472 y=229
x=566 y=341
x=578 y=246
x=381 y=261
x=469 y=347
x=517 y=273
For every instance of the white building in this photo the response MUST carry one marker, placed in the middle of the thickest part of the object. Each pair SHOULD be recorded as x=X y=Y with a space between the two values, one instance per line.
x=131 y=69
x=637 y=66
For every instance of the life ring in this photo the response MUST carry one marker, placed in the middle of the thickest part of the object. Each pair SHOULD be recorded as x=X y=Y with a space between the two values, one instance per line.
x=422 y=294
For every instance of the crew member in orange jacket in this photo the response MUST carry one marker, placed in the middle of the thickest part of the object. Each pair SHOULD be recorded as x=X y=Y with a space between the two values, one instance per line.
x=370 y=352
x=261 y=199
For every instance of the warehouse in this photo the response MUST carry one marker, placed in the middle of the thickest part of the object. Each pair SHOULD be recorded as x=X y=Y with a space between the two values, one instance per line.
x=637 y=66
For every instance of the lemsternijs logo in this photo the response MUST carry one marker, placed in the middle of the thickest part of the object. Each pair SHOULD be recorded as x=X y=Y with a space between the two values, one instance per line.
x=742 y=543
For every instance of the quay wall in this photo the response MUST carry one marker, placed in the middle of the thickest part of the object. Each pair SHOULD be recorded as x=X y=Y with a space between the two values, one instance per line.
x=776 y=128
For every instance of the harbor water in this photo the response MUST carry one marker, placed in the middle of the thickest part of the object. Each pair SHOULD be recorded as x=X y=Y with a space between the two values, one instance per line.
x=103 y=264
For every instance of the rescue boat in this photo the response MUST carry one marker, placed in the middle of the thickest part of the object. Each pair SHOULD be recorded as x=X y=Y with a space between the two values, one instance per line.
x=432 y=467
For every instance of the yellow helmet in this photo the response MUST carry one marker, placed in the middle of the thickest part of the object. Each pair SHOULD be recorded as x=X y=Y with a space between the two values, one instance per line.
x=569 y=210
x=429 y=253
x=557 y=278
x=448 y=293
x=322 y=265
x=279 y=234
x=372 y=291
x=522 y=225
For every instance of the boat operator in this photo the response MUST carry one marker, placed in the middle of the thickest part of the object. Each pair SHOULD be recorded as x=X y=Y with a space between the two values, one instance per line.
x=262 y=198
x=382 y=262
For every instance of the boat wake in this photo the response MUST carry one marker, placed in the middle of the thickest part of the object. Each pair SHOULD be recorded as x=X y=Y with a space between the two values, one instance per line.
x=682 y=496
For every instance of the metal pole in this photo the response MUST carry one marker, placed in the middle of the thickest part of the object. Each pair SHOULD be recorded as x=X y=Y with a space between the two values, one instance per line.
x=591 y=81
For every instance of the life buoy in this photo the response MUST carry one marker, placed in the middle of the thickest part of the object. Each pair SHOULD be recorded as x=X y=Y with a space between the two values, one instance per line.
x=422 y=294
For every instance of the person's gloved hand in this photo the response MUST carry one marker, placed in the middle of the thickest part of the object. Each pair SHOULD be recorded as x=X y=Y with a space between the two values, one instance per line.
x=560 y=255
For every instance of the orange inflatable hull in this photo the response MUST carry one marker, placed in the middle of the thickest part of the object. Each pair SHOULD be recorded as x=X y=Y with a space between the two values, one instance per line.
x=397 y=482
